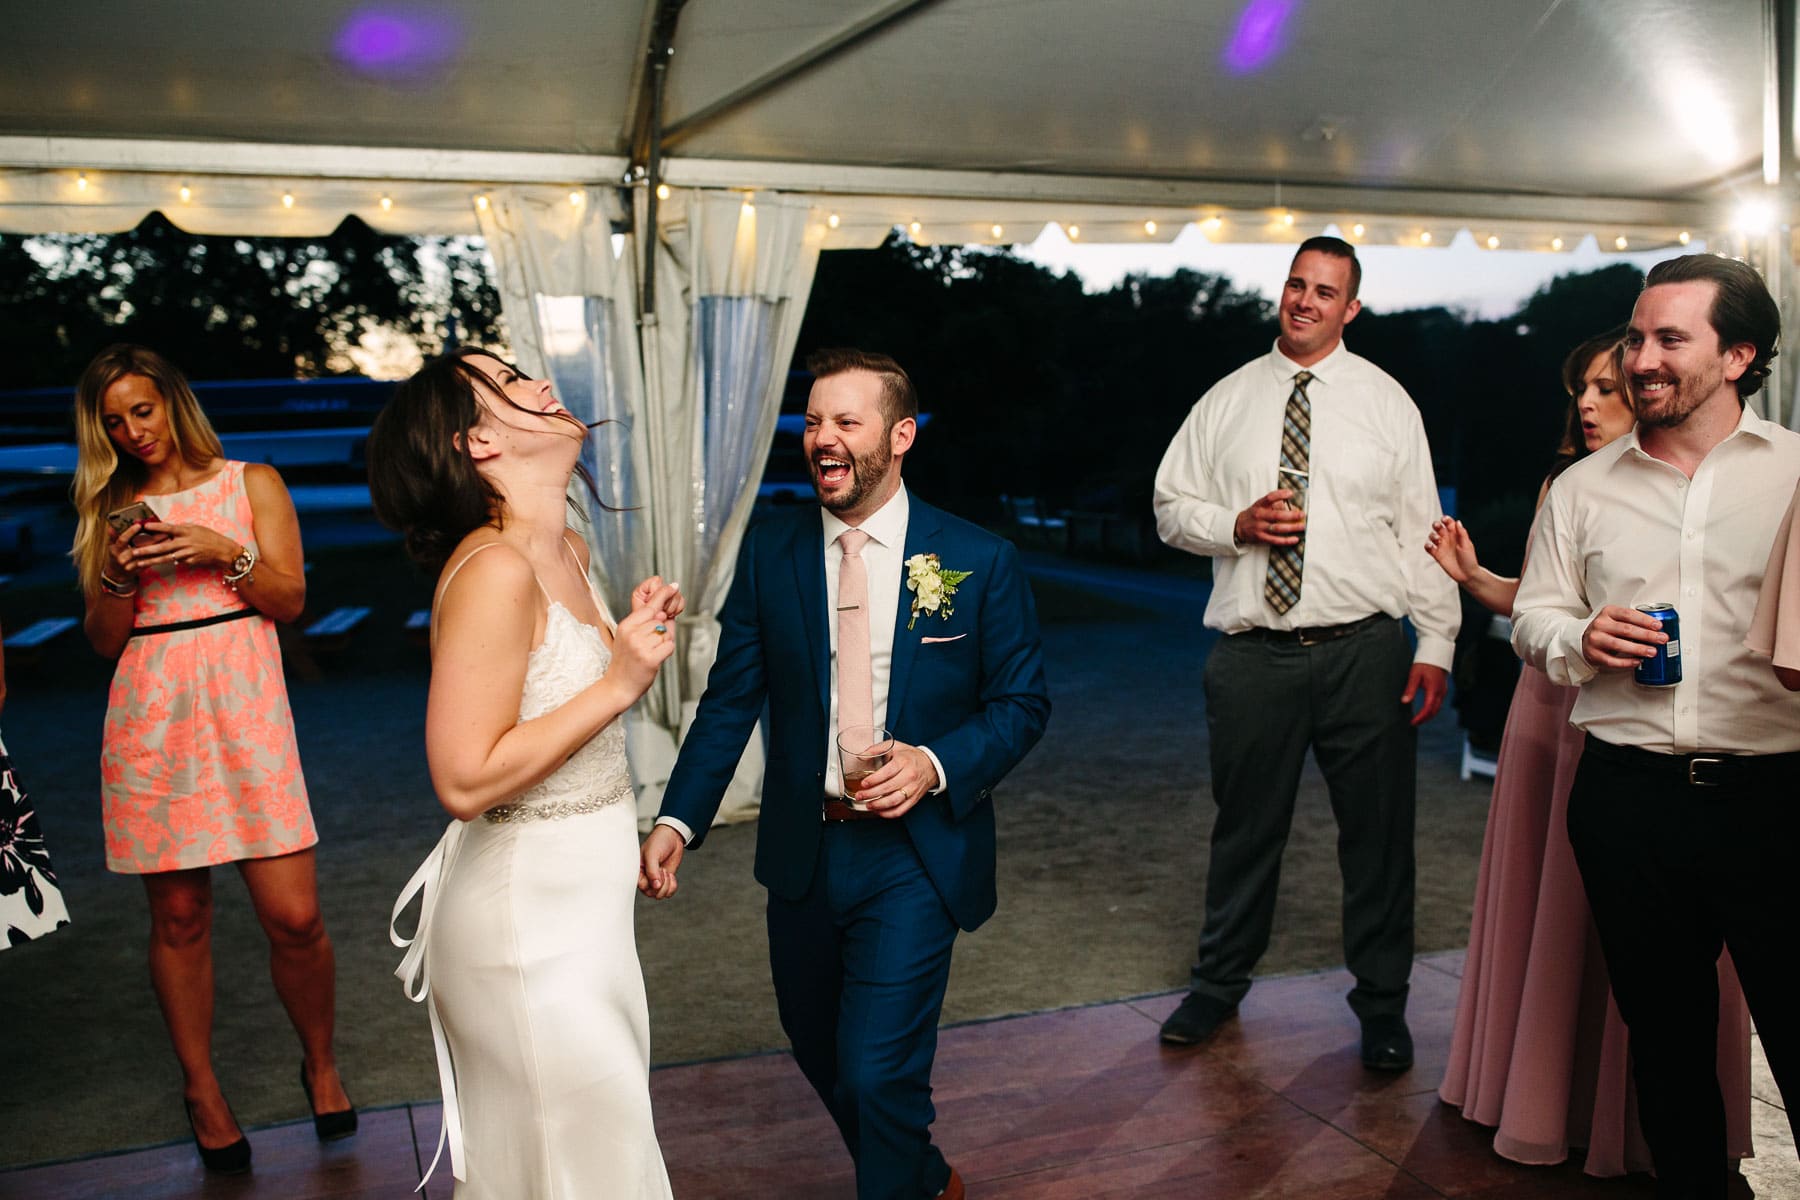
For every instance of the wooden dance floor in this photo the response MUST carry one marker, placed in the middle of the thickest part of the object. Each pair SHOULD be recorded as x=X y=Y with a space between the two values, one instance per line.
x=1078 y=1103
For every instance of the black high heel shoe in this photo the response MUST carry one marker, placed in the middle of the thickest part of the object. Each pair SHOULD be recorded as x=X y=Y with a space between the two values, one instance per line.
x=331 y=1126
x=223 y=1160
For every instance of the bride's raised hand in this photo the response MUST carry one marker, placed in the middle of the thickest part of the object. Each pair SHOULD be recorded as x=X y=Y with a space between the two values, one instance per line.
x=641 y=594
x=1451 y=546
x=643 y=640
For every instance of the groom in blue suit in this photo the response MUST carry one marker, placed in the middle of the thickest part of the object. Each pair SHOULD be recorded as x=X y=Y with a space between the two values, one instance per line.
x=867 y=889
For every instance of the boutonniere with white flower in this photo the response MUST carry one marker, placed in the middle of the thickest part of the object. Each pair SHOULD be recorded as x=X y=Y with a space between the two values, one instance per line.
x=931 y=586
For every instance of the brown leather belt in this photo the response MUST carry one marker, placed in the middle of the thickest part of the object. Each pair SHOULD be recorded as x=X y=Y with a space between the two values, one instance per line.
x=842 y=810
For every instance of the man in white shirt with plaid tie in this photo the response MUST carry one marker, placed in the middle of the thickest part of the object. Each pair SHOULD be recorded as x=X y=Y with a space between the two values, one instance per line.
x=1305 y=475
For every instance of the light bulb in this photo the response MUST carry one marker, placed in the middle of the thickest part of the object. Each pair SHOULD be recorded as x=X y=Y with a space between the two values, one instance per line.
x=832 y=220
x=1287 y=219
x=1684 y=237
x=996 y=230
x=1150 y=228
x=481 y=203
x=387 y=204
x=1556 y=243
x=1493 y=243
x=914 y=228
x=575 y=198
x=662 y=191
x=81 y=182
x=187 y=193
x=1074 y=232
x=1619 y=243
x=287 y=199
x=1425 y=238
x=1358 y=229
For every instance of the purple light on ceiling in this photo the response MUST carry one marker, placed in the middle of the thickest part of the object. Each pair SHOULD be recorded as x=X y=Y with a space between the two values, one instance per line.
x=1258 y=35
x=397 y=41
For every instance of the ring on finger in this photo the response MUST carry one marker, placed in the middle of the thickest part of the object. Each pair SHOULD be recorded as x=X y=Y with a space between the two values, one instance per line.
x=660 y=628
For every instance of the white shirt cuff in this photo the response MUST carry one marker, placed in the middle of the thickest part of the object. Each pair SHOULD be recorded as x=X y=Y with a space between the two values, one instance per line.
x=942 y=782
x=680 y=827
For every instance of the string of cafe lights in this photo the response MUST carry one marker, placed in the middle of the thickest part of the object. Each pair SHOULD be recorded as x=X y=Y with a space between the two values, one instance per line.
x=1753 y=217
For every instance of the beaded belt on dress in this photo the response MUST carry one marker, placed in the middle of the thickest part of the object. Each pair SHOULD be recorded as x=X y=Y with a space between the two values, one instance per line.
x=556 y=810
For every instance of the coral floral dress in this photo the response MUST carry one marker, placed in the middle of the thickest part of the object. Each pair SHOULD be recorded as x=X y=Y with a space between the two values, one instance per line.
x=198 y=764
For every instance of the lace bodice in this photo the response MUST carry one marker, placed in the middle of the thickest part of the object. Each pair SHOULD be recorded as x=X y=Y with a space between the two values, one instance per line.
x=571 y=657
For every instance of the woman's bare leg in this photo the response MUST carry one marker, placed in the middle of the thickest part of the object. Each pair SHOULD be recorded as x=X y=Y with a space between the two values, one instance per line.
x=285 y=893
x=181 y=971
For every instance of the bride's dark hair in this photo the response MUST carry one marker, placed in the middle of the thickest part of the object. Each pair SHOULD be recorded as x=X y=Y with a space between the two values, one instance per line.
x=422 y=480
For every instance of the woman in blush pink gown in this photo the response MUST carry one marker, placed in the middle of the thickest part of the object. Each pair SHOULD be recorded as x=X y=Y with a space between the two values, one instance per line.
x=1539 y=1050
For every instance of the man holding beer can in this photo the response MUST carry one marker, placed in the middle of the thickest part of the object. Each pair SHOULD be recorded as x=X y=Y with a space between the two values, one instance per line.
x=1682 y=815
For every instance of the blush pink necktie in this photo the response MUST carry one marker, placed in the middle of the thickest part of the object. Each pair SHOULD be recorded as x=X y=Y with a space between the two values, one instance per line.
x=856 y=688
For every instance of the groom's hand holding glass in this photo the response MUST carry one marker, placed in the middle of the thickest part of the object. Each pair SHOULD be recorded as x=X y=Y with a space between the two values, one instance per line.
x=894 y=787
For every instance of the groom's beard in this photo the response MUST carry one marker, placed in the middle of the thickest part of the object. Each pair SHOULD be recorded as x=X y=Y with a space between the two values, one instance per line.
x=866 y=473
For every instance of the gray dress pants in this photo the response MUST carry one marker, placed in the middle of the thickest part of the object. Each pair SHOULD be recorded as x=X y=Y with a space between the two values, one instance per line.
x=1267 y=702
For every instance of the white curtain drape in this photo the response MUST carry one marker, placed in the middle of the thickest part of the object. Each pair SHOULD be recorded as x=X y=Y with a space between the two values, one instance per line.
x=691 y=393
x=732 y=283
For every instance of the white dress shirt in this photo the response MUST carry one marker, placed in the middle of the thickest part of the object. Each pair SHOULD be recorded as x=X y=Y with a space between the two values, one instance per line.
x=1621 y=527
x=1370 y=505
x=884 y=558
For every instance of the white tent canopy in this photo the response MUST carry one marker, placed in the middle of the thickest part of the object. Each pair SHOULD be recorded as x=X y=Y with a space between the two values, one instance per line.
x=783 y=127
x=1640 y=116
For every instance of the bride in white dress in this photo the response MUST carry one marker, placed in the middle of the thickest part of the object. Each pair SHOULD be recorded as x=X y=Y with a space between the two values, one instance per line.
x=524 y=952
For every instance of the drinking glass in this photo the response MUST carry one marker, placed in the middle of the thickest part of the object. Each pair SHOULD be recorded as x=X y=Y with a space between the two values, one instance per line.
x=862 y=750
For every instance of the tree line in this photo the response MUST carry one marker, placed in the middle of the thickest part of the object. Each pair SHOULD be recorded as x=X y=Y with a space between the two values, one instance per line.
x=1036 y=387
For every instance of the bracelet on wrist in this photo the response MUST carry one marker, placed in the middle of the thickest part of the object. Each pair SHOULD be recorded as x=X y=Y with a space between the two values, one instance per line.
x=115 y=587
x=241 y=566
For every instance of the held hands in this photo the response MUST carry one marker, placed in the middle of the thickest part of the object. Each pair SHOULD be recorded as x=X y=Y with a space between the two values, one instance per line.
x=1450 y=545
x=899 y=784
x=1271 y=521
x=658 y=860
x=189 y=545
x=1618 y=638
x=645 y=638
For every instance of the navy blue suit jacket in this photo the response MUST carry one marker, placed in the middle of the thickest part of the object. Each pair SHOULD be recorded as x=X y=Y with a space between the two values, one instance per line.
x=979 y=702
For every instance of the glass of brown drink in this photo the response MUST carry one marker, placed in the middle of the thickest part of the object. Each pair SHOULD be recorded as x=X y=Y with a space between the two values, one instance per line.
x=862 y=750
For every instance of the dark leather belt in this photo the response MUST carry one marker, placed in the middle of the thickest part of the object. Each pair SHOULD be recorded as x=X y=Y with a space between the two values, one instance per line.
x=1314 y=635
x=1701 y=770
x=842 y=810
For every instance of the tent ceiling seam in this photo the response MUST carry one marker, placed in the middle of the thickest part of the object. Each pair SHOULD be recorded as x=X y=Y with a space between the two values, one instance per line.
x=814 y=56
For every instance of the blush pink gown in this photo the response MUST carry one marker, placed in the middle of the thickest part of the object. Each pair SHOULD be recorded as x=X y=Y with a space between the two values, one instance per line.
x=1539 y=1051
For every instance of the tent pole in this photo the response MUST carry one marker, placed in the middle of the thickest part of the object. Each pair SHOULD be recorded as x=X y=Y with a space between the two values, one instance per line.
x=647 y=141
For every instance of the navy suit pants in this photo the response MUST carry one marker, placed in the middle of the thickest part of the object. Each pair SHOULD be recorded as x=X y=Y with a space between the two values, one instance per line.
x=860 y=965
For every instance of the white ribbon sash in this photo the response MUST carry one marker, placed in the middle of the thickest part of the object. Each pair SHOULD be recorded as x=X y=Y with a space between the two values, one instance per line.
x=415 y=978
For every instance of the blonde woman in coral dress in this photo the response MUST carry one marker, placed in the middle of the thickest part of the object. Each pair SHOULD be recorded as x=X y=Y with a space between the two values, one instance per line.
x=1539 y=1050
x=525 y=950
x=198 y=764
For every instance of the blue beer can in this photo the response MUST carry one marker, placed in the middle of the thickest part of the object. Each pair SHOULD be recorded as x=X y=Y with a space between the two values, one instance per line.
x=1664 y=670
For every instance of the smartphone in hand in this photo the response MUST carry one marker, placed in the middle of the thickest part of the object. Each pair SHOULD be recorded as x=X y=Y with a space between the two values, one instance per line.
x=122 y=519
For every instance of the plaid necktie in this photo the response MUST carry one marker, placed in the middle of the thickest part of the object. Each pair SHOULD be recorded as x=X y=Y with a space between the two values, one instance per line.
x=1281 y=586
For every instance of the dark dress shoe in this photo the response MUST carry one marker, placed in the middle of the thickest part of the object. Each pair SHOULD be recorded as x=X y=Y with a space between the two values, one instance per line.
x=1198 y=1018
x=1387 y=1044
x=220 y=1160
x=328 y=1127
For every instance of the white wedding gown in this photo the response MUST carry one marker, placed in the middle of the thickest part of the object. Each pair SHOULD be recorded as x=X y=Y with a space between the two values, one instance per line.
x=527 y=957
